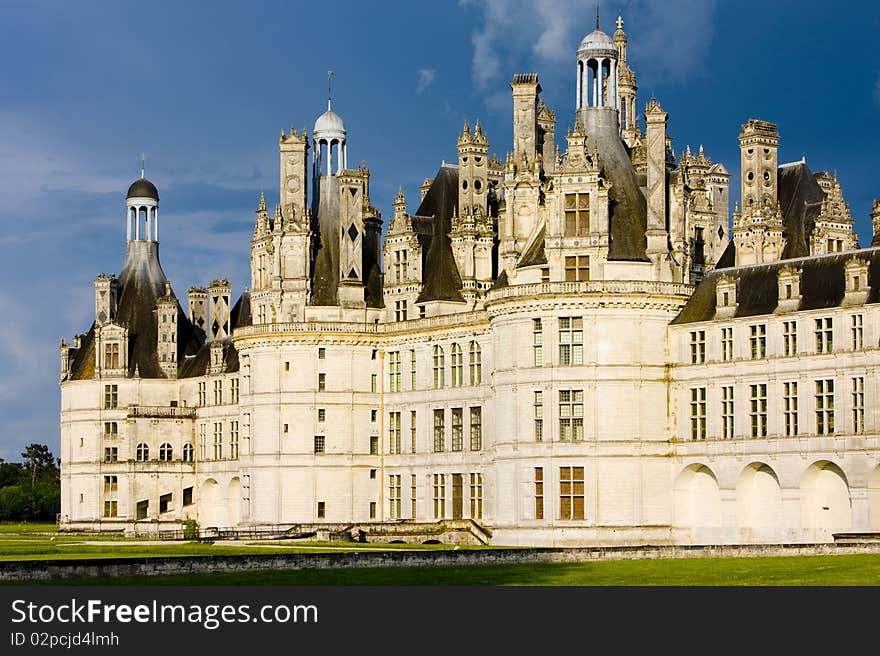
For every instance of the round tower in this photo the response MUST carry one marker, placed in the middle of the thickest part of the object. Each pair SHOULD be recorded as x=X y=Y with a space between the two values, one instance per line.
x=329 y=134
x=142 y=209
x=597 y=58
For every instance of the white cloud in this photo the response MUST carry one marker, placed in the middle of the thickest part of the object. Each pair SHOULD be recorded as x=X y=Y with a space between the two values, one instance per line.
x=426 y=79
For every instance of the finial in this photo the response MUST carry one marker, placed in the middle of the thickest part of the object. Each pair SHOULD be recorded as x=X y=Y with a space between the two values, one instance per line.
x=143 y=164
x=329 y=78
x=262 y=202
x=478 y=129
x=597 y=15
x=619 y=22
x=466 y=129
x=400 y=197
x=701 y=150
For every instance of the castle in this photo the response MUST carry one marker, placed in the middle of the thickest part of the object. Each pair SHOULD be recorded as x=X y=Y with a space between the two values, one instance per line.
x=570 y=346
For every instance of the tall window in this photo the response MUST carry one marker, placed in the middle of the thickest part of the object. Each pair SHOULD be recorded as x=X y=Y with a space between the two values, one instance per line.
x=857 y=331
x=218 y=440
x=233 y=439
x=476 y=422
x=374 y=445
x=111 y=454
x=439 y=496
x=698 y=346
x=142 y=453
x=188 y=455
x=166 y=453
x=218 y=392
x=571 y=492
x=539 y=493
x=577 y=215
x=571 y=340
x=400 y=310
x=412 y=369
x=789 y=338
x=394 y=494
x=571 y=415
x=412 y=431
x=727 y=412
x=413 y=489
x=319 y=444
x=858 y=404
x=203 y=442
x=758 y=409
x=538 y=342
x=400 y=261
x=457 y=429
x=539 y=415
x=111 y=355
x=202 y=395
x=394 y=432
x=727 y=343
x=476 y=496
x=698 y=413
x=825 y=406
x=111 y=430
x=374 y=386
x=475 y=361
x=439 y=367
x=322 y=382
x=457 y=366
x=824 y=335
x=758 y=340
x=790 y=407
x=234 y=391
x=439 y=431
x=111 y=397
x=111 y=490
x=577 y=268
x=394 y=371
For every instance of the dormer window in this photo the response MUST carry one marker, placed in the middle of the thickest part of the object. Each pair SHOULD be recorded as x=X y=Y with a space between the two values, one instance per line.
x=857 y=287
x=789 y=280
x=725 y=297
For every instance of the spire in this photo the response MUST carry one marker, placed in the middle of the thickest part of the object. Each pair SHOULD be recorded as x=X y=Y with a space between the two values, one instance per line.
x=597 y=15
x=620 y=22
x=329 y=88
x=262 y=206
x=143 y=165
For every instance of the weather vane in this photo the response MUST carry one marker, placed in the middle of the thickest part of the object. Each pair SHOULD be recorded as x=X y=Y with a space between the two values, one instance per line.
x=143 y=163
x=329 y=78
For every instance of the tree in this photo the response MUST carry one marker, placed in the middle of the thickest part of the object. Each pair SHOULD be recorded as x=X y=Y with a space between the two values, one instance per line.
x=38 y=459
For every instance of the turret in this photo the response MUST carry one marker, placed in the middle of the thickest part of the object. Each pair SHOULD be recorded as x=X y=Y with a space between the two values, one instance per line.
x=220 y=294
x=197 y=299
x=166 y=333
x=106 y=288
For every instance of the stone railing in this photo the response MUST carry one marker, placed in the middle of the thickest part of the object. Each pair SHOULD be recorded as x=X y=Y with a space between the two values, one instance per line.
x=441 y=321
x=161 y=411
x=591 y=287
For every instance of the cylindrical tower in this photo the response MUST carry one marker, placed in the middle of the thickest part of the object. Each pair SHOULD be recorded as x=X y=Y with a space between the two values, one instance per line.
x=597 y=58
x=142 y=209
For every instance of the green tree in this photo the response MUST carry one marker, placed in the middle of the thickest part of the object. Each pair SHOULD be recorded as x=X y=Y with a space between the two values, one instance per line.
x=38 y=460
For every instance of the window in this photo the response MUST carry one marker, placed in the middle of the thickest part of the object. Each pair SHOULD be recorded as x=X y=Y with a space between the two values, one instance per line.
x=394 y=432
x=374 y=415
x=286 y=365
x=373 y=354
x=111 y=355
x=727 y=412
x=142 y=509
x=374 y=445
x=539 y=493
x=111 y=430
x=825 y=406
x=234 y=391
x=142 y=452
x=165 y=503
x=476 y=421
x=457 y=429
x=439 y=431
x=111 y=454
x=319 y=444
x=698 y=346
x=789 y=338
x=545 y=274
x=218 y=392
x=476 y=363
x=457 y=366
x=824 y=335
x=790 y=408
x=394 y=495
x=571 y=415
x=111 y=508
x=394 y=371
x=412 y=369
x=539 y=416
x=439 y=496
x=322 y=510
x=577 y=215
x=476 y=496
x=400 y=311
x=538 y=342
x=111 y=485
x=233 y=439
x=412 y=431
x=571 y=340
x=111 y=397
x=758 y=340
x=202 y=394
x=758 y=409
x=857 y=330
x=322 y=353
x=203 y=443
x=727 y=344
x=188 y=452
x=187 y=496
x=698 y=413
x=322 y=415
x=372 y=474
x=439 y=367
x=577 y=268
x=571 y=492
x=166 y=453
x=322 y=382
x=373 y=382
x=218 y=440
x=858 y=404
x=413 y=488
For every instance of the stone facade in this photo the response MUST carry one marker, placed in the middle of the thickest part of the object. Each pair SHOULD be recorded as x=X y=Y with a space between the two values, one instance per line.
x=568 y=348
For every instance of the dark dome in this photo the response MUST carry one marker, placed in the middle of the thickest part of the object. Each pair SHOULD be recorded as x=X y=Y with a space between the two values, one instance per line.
x=142 y=188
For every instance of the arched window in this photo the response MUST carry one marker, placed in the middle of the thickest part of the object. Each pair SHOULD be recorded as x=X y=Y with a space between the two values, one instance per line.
x=476 y=363
x=142 y=453
x=188 y=452
x=439 y=367
x=457 y=366
x=165 y=452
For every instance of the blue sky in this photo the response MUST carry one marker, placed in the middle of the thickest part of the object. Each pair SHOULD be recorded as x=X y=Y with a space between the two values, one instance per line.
x=205 y=88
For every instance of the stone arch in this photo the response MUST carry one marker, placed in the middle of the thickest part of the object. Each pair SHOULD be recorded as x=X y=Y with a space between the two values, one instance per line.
x=759 y=504
x=211 y=504
x=874 y=499
x=697 y=504
x=826 y=506
x=233 y=502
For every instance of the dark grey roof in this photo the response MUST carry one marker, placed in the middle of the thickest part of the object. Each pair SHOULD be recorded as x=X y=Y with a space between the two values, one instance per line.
x=728 y=257
x=822 y=285
x=325 y=266
x=441 y=280
x=535 y=254
x=142 y=188
x=196 y=364
x=800 y=200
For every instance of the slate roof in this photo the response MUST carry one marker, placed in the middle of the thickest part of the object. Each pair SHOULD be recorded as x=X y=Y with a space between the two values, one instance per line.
x=197 y=363
x=535 y=253
x=441 y=280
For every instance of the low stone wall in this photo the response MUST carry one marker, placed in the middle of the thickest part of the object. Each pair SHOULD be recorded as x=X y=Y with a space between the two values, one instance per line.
x=49 y=570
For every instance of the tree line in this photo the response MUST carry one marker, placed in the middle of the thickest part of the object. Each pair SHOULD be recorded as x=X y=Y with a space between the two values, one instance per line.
x=30 y=490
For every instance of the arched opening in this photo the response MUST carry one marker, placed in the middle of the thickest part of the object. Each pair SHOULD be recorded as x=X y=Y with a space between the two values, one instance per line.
x=874 y=500
x=759 y=504
x=826 y=507
x=233 y=502
x=210 y=504
x=697 y=505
